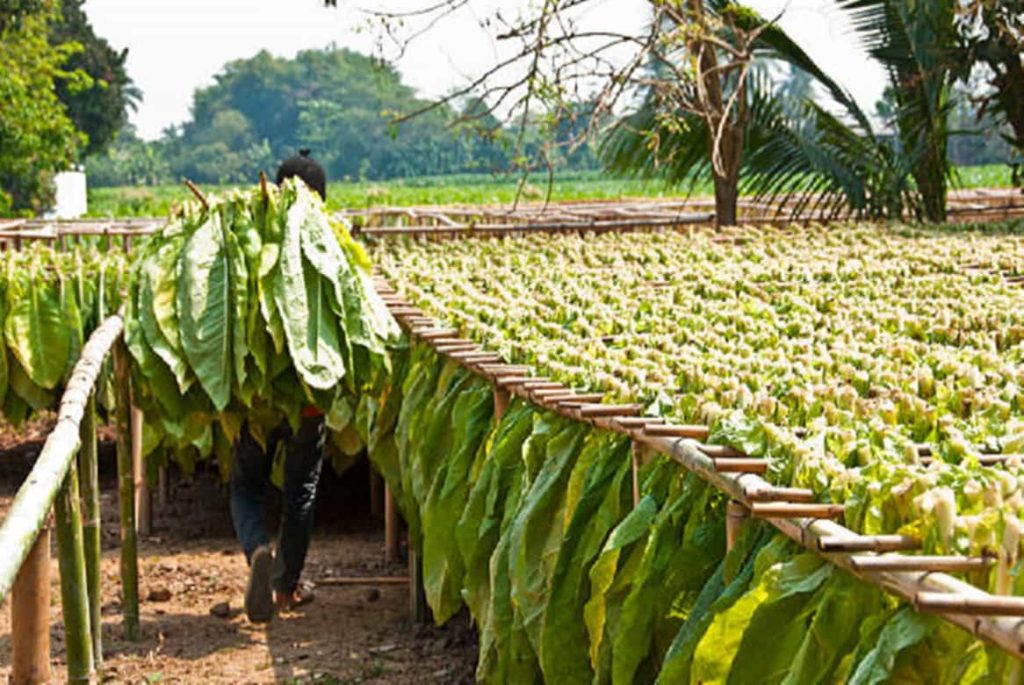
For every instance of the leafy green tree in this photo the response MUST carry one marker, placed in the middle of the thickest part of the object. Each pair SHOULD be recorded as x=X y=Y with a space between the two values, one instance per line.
x=36 y=136
x=99 y=107
x=991 y=36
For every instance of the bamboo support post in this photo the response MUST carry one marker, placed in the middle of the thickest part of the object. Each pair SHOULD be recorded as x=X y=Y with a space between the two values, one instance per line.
x=635 y=448
x=935 y=564
x=868 y=543
x=501 y=399
x=418 y=611
x=783 y=510
x=126 y=495
x=736 y=514
x=143 y=499
x=390 y=526
x=376 y=486
x=162 y=488
x=88 y=467
x=30 y=616
x=977 y=605
x=74 y=586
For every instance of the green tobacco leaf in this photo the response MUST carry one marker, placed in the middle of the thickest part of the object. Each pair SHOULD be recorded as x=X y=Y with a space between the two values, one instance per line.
x=443 y=568
x=40 y=336
x=302 y=297
x=204 y=309
x=537 y=532
x=599 y=478
x=904 y=629
x=479 y=526
x=633 y=528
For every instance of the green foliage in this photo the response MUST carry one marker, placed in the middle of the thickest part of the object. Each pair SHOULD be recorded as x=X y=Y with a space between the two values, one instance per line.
x=36 y=136
x=544 y=505
x=50 y=302
x=250 y=310
x=99 y=105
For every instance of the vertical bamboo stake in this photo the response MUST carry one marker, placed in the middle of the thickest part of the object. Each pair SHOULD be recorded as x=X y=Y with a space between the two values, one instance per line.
x=376 y=494
x=143 y=500
x=126 y=495
x=417 y=599
x=88 y=466
x=390 y=526
x=501 y=397
x=30 y=616
x=635 y=451
x=162 y=488
x=736 y=515
x=74 y=588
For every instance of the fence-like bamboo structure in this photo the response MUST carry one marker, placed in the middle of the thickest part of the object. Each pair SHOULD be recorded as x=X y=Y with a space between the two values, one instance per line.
x=922 y=581
x=54 y=484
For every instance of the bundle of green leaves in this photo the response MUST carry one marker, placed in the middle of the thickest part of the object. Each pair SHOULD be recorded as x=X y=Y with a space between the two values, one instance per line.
x=248 y=309
x=50 y=302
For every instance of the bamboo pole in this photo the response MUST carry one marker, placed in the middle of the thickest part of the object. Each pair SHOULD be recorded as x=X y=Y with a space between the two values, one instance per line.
x=952 y=603
x=126 y=495
x=30 y=616
x=793 y=510
x=162 y=488
x=942 y=564
x=501 y=399
x=143 y=497
x=375 y=485
x=741 y=465
x=32 y=504
x=74 y=586
x=390 y=526
x=868 y=543
x=88 y=466
x=692 y=432
x=736 y=514
x=360 y=580
x=418 y=611
x=606 y=410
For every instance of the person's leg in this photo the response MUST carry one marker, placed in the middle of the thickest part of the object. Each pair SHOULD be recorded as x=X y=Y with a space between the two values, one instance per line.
x=250 y=471
x=301 y=475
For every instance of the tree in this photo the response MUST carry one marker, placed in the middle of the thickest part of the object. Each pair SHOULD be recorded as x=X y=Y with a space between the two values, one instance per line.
x=692 y=58
x=991 y=36
x=98 y=107
x=36 y=136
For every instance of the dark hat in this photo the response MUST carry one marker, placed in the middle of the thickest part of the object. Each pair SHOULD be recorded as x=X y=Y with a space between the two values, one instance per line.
x=306 y=168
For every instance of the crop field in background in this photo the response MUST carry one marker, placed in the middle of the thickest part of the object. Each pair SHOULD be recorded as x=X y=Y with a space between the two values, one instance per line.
x=130 y=201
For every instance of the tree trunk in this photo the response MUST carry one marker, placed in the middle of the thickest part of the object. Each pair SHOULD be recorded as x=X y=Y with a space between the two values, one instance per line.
x=726 y=198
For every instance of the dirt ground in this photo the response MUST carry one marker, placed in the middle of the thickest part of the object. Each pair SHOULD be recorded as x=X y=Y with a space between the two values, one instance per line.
x=192 y=565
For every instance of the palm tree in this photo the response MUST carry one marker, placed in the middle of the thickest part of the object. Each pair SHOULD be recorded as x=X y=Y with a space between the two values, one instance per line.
x=827 y=158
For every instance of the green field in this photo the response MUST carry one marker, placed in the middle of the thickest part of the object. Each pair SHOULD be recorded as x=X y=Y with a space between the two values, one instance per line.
x=461 y=189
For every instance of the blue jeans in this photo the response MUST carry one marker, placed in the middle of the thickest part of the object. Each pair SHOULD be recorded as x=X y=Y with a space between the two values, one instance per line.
x=250 y=476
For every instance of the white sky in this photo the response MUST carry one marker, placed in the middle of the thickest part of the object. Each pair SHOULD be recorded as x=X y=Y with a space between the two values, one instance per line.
x=175 y=46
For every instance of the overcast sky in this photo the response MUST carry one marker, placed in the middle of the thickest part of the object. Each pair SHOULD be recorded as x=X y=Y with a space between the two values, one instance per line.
x=175 y=46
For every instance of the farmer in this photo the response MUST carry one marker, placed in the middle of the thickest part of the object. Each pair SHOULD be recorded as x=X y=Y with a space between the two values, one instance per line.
x=274 y=579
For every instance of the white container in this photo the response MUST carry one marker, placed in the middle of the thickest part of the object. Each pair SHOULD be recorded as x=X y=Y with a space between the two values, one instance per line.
x=71 y=202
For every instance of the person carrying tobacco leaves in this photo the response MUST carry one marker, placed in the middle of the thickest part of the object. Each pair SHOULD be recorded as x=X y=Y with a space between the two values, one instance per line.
x=273 y=582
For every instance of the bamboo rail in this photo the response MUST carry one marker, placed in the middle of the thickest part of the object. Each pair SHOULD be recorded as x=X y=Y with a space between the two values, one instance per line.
x=793 y=512
x=53 y=484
